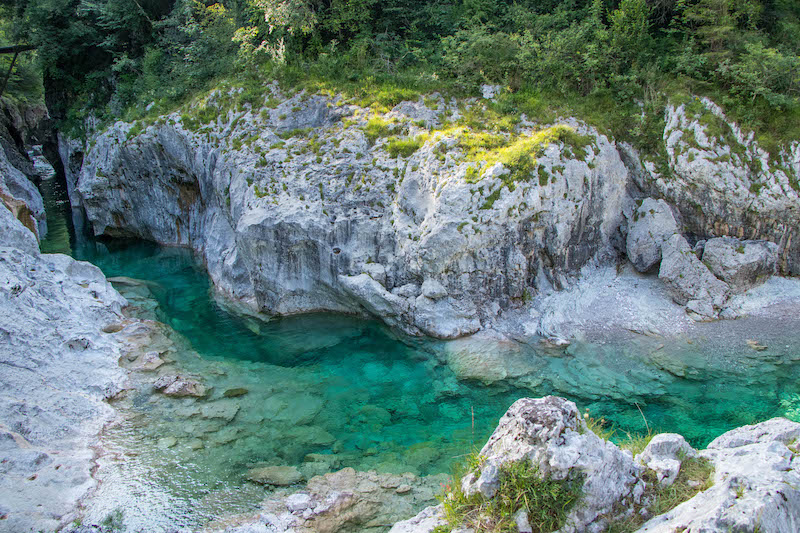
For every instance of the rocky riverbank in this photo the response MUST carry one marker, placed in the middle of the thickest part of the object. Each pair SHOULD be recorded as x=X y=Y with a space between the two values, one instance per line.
x=746 y=480
x=424 y=215
x=59 y=352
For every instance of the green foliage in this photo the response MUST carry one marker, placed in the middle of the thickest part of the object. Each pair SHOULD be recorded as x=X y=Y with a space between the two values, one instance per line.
x=546 y=501
x=376 y=128
x=596 y=59
x=404 y=147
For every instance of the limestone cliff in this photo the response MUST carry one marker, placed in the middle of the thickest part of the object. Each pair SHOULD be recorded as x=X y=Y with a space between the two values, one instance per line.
x=437 y=226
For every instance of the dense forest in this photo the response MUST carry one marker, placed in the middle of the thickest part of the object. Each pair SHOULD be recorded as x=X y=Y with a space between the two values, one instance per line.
x=117 y=58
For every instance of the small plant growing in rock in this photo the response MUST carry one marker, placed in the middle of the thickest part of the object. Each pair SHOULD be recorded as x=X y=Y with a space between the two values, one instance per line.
x=547 y=502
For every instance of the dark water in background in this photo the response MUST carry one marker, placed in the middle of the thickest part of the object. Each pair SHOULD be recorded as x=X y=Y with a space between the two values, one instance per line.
x=355 y=392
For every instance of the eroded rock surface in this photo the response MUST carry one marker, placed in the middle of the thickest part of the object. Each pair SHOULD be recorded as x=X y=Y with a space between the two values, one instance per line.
x=58 y=368
x=299 y=208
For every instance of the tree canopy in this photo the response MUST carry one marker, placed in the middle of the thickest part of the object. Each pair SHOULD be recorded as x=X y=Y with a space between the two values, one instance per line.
x=111 y=55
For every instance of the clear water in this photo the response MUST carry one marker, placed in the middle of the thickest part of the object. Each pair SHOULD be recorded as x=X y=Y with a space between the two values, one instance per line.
x=359 y=395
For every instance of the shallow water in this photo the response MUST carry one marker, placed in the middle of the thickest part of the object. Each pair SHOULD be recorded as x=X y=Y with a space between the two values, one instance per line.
x=358 y=395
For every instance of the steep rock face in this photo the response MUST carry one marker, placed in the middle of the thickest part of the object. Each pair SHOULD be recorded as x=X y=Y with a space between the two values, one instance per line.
x=724 y=183
x=293 y=221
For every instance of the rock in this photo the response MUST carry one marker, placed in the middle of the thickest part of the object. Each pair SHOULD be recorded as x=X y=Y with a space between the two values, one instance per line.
x=293 y=235
x=222 y=409
x=521 y=519
x=280 y=476
x=756 y=345
x=235 y=393
x=651 y=226
x=424 y=522
x=741 y=264
x=664 y=455
x=433 y=289
x=756 y=486
x=299 y=501
x=167 y=442
x=551 y=434
x=148 y=362
x=409 y=290
x=58 y=369
x=488 y=92
x=376 y=271
x=689 y=280
x=177 y=386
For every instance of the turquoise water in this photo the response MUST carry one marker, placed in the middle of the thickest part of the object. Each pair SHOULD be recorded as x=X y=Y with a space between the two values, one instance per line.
x=330 y=391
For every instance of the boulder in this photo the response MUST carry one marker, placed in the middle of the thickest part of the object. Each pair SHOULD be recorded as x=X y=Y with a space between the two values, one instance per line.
x=433 y=289
x=689 y=281
x=664 y=455
x=756 y=484
x=741 y=264
x=652 y=224
x=551 y=433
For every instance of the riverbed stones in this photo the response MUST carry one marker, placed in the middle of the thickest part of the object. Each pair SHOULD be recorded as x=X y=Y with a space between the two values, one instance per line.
x=741 y=264
x=179 y=386
x=280 y=476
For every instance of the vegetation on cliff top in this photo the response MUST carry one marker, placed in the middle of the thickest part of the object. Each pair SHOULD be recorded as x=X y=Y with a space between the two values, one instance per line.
x=608 y=61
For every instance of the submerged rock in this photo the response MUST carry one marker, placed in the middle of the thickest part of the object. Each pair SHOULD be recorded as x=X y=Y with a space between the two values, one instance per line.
x=346 y=500
x=280 y=476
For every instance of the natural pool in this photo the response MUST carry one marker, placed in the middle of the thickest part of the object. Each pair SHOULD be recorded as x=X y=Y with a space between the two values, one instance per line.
x=329 y=391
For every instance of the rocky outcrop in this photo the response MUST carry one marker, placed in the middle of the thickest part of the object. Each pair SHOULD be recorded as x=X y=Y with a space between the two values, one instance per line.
x=58 y=368
x=300 y=208
x=551 y=434
x=740 y=264
x=755 y=485
x=318 y=204
x=724 y=183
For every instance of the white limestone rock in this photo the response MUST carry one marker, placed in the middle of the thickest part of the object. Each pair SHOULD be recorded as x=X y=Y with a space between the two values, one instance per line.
x=664 y=455
x=690 y=282
x=756 y=485
x=651 y=225
x=741 y=264
x=551 y=433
